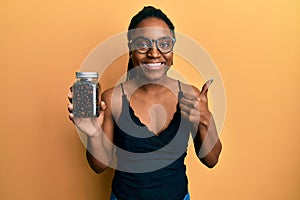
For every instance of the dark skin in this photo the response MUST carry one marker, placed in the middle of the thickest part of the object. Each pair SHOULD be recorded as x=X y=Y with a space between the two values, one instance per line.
x=154 y=103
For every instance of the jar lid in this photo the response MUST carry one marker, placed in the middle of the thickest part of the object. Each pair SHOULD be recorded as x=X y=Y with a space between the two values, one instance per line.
x=87 y=74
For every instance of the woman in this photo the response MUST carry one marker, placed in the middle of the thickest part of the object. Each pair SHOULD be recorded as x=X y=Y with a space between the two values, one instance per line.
x=149 y=119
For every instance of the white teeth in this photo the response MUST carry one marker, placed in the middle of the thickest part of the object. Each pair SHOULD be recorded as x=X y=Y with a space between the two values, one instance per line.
x=153 y=64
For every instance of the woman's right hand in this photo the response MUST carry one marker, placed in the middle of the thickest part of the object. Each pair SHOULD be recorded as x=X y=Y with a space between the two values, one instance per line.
x=89 y=126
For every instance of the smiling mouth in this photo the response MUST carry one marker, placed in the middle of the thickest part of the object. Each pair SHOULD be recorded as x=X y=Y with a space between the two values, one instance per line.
x=153 y=65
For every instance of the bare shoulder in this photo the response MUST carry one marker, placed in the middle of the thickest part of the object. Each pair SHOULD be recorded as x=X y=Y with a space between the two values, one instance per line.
x=113 y=100
x=111 y=92
x=106 y=95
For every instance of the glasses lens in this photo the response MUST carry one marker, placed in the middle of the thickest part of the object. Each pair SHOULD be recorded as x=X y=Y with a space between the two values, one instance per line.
x=165 y=45
x=142 y=44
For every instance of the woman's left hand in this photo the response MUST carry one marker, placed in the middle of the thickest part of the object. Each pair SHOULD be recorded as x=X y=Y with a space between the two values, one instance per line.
x=195 y=107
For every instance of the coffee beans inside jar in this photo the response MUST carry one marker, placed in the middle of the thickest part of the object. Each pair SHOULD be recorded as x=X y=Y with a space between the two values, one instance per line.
x=86 y=95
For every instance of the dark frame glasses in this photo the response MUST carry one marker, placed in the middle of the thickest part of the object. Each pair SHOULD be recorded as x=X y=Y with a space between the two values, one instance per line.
x=143 y=44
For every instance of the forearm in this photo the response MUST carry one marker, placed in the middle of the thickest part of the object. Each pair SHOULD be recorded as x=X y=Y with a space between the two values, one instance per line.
x=99 y=151
x=209 y=146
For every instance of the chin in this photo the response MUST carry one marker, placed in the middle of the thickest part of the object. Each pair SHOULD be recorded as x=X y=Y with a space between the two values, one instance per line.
x=154 y=75
x=152 y=78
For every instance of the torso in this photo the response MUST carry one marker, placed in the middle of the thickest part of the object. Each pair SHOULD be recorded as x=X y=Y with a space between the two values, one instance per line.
x=154 y=110
x=154 y=105
x=142 y=154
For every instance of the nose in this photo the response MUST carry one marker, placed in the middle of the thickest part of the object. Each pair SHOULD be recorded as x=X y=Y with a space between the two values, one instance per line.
x=153 y=52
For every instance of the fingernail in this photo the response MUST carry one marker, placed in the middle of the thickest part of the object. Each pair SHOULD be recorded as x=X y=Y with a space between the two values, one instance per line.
x=209 y=82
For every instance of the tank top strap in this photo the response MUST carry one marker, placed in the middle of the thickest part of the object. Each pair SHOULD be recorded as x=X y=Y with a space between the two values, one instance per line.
x=180 y=93
x=122 y=87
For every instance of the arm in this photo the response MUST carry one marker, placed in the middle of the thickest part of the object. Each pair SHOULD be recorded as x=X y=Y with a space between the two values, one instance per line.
x=100 y=147
x=206 y=141
x=99 y=133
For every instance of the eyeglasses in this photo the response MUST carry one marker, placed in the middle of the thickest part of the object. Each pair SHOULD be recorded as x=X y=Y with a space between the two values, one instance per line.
x=143 y=44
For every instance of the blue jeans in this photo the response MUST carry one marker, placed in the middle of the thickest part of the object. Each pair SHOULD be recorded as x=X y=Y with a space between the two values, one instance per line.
x=113 y=197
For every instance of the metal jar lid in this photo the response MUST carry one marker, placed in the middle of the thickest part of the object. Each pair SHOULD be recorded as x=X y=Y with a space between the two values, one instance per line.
x=87 y=74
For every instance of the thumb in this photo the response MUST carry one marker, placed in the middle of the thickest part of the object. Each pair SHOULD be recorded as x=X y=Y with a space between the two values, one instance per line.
x=102 y=106
x=102 y=111
x=206 y=86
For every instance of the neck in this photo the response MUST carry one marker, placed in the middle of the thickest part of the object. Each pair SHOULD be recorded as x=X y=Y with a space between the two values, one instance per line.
x=152 y=85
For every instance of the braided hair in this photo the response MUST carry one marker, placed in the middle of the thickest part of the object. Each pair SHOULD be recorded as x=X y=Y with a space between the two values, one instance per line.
x=146 y=12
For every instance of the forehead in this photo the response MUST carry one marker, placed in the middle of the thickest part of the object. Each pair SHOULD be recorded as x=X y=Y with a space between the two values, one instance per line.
x=152 y=28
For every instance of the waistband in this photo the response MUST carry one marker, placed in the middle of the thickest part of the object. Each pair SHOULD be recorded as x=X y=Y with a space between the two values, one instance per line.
x=113 y=196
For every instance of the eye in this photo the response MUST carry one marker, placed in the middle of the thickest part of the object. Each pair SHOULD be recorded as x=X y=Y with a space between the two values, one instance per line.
x=142 y=44
x=165 y=43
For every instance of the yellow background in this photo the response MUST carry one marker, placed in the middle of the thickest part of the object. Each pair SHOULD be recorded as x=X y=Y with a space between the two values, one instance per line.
x=255 y=45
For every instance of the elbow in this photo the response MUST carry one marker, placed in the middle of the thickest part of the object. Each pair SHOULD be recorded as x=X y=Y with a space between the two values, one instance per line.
x=210 y=163
x=98 y=170
x=212 y=158
x=97 y=166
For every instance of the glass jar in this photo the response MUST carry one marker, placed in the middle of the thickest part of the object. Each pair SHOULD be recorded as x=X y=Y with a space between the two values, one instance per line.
x=86 y=95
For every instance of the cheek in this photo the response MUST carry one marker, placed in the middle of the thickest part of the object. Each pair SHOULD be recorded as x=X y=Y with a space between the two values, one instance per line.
x=135 y=59
x=135 y=62
x=169 y=58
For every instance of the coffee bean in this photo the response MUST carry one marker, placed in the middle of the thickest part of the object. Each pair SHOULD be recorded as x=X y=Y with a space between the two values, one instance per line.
x=85 y=99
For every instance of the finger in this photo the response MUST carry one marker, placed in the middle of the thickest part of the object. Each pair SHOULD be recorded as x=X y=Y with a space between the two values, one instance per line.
x=203 y=102
x=70 y=97
x=191 y=109
x=190 y=103
x=71 y=117
x=70 y=108
x=184 y=114
x=190 y=96
x=185 y=109
x=192 y=116
x=189 y=99
x=189 y=112
x=103 y=106
x=206 y=86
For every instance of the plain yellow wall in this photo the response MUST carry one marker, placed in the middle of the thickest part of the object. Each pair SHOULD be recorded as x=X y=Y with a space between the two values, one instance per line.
x=255 y=44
